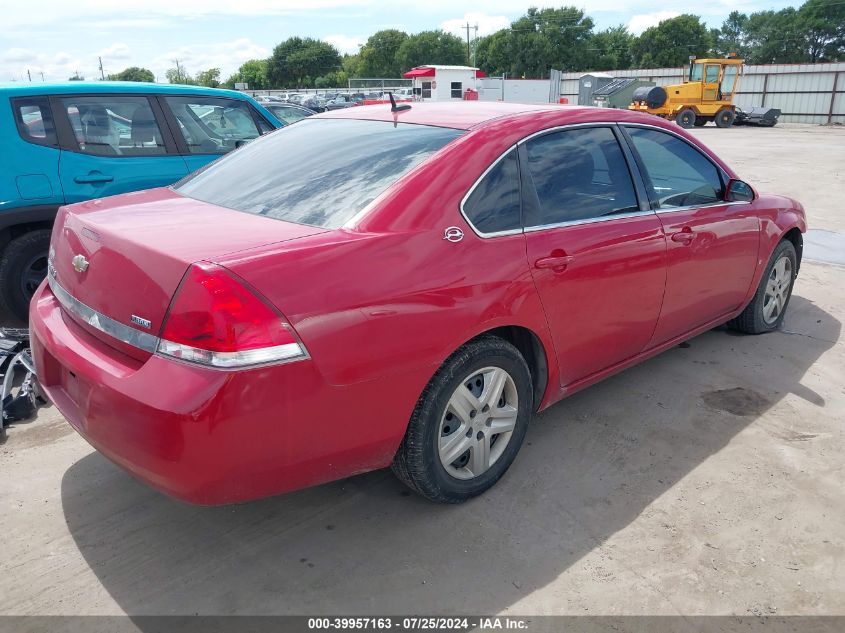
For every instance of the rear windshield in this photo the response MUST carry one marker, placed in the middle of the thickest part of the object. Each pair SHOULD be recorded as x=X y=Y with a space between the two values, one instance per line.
x=319 y=172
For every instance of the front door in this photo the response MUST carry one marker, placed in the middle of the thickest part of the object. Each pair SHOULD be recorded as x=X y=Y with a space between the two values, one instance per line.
x=710 y=86
x=712 y=245
x=112 y=144
x=597 y=255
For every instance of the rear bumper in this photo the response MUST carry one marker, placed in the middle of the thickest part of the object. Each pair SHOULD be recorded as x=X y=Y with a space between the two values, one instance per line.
x=208 y=436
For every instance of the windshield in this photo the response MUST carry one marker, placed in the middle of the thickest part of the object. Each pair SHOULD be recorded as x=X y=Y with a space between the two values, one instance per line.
x=319 y=172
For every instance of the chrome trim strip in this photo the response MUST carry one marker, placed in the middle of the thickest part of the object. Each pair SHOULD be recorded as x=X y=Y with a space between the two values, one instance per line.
x=101 y=322
x=721 y=203
x=603 y=218
x=569 y=126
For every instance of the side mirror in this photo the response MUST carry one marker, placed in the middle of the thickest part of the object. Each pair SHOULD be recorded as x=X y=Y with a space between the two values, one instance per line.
x=739 y=191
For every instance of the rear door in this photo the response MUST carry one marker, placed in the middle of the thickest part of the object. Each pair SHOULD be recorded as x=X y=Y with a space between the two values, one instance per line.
x=596 y=251
x=209 y=127
x=29 y=164
x=712 y=244
x=113 y=144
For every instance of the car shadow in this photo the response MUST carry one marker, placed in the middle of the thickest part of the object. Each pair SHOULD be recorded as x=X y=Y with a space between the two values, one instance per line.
x=590 y=466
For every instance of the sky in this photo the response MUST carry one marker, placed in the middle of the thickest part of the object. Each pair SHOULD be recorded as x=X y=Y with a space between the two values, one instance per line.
x=57 y=38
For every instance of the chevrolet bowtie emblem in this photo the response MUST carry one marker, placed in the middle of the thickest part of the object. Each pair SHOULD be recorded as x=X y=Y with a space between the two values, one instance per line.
x=80 y=264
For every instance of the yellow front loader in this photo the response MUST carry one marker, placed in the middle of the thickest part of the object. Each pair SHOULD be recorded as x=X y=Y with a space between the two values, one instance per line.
x=706 y=95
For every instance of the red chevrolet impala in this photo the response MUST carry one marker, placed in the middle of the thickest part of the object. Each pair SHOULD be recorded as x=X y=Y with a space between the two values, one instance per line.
x=371 y=288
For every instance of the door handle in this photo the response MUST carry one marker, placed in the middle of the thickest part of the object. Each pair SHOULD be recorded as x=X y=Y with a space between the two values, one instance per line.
x=684 y=236
x=93 y=177
x=555 y=262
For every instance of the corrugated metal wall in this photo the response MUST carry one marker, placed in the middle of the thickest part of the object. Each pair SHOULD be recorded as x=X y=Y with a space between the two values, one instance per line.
x=805 y=93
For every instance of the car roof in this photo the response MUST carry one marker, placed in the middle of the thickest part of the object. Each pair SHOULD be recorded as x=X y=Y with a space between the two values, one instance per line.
x=462 y=115
x=111 y=87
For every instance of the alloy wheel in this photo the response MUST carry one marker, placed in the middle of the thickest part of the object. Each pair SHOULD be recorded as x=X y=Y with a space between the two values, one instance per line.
x=777 y=290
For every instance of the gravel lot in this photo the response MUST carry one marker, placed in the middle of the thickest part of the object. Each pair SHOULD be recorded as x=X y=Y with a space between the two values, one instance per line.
x=708 y=480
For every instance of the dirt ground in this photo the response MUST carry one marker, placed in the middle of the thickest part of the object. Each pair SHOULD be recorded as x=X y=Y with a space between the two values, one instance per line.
x=708 y=480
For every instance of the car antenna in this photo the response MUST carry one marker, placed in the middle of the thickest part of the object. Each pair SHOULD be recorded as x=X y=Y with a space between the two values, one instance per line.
x=397 y=108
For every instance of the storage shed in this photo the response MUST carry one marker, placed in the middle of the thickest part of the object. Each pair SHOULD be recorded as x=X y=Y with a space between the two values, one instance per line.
x=443 y=83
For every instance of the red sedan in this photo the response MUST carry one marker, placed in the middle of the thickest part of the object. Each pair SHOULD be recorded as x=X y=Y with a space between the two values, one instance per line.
x=369 y=288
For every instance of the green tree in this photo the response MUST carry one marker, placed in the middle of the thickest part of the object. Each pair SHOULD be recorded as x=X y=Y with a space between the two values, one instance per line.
x=297 y=62
x=76 y=77
x=671 y=42
x=775 y=37
x=378 y=56
x=611 y=49
x=133 y=73
x=733 y=36
x=430 y=47
x=252 y=72
x=209 y=78
x=823 y=25
x=538 y=41
x=179 y=75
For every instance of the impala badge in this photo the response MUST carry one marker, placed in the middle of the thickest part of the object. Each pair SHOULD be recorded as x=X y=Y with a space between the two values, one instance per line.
x=453 y=234
x=80 y=264
x=141 y=321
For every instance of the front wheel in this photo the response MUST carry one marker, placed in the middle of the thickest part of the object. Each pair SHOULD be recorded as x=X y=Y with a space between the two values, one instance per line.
x=768 y=307
x=468 y=424
x=686 y=118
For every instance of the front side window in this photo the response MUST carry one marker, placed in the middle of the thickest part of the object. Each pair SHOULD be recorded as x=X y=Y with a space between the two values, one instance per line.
x=493 y=205
x=34 y=120
x=298 y=174
x=579 y=174
x=114 y=125
x=211 y=125
x=712 y=75
x=457 y=90
x=695 y=72
x=679 y=175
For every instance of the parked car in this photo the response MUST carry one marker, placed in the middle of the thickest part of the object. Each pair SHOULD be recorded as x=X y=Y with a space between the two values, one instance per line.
x=70 y=142
x=289 y=113
x=265 y=99
x=313 y=103
x=409 y=301
x=340 y=102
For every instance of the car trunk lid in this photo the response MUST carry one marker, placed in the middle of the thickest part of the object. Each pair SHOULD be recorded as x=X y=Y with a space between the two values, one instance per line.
x=124 y=257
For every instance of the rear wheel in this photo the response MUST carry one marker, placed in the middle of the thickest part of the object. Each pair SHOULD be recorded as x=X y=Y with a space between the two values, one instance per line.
x=686 y=118
x=22 y=268
x=725 y=118
x=469 y=423
x=768 y=307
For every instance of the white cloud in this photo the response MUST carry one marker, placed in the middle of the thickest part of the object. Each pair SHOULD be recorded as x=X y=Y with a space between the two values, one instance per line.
x=345 y=43
x=639 y=23
x=118 y=50
x=227 y=56
x=17 y=55
x=487 y=24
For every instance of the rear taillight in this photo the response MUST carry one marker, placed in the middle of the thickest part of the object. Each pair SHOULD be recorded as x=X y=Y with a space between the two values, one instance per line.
x=215 y=320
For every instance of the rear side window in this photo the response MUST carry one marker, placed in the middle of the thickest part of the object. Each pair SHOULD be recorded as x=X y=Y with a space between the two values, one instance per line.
x=579 y=174
x=493 y=206
x=319 y=172
x=107 y=125
x=211 y=125
x=680 y=175
x=34 y=120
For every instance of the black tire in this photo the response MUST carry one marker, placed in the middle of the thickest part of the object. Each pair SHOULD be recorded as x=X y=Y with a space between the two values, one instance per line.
x=700 y=122
x=752 y=319
x=417 y=462
x=23 y=263
x=686 y=118
x=725 y=118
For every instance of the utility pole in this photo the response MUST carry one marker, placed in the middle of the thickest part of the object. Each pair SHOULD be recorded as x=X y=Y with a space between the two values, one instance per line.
x=42 y=76
x=467 y=28
x=102 y=74
x=28 y=75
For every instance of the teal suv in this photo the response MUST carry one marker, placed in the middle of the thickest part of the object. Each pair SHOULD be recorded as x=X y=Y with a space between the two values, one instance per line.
x=66 y=143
